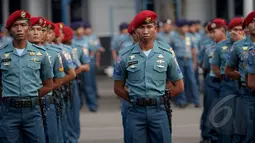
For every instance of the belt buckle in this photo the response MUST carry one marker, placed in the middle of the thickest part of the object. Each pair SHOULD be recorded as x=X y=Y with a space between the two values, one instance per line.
x=25 y=103
x=16 y=104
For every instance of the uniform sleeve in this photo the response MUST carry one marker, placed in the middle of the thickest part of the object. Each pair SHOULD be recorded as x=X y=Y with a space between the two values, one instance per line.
x=67 y=60
x=193 y=44
x=97 y=43
x=233 y=57
x=250 y=63
x=114 y=44
x=206 y=64
x=119 y=70
x=84 y=57
x=201 y=55
x=216 y=56
x=174 y=72
x=46 y=68
x=58 y=68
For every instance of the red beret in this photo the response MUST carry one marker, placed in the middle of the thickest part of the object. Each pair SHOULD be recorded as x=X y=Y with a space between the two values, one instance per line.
x=60 y=25
x=44 y=22
x=216 y=23
x=68 y=32
x=130 y=28
x=249 y=18
x=36 y=20
x=238 y=21
x=50 y=25
x=19 y=14
x=56 y=31
x=144 y=17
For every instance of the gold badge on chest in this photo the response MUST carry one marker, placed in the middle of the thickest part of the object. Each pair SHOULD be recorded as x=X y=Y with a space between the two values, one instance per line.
x=35 y=60
x=32 y=53
x=6 y=55
x=38 y=54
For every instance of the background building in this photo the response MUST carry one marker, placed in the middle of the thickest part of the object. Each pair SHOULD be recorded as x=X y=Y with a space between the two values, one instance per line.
x=106 y=15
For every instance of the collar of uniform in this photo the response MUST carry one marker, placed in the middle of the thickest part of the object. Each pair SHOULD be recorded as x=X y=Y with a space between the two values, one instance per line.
x=29 y=47
x=155 y=48
x=248 y=41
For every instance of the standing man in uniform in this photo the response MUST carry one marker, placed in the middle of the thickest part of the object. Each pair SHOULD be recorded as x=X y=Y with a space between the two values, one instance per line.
x=236 y=69
x=81 y=63
x=82 y=43
x=166 y=35
x=217 y=29
x=144 y=70
x=121 y=41
x=4 y=38
x=228 y=86
x=26 y=77
x=61 y=94
x=185 y=52
x=196 y=39
x=35 y=36
x=95 y=51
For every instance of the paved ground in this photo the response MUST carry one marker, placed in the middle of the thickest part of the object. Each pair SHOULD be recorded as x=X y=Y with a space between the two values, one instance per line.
x=105 y=126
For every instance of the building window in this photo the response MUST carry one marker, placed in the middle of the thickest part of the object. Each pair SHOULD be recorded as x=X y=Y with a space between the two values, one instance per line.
x=238 y=8
x=222 y=9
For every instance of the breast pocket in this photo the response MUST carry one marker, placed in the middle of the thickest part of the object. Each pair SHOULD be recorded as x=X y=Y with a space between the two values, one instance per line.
x=134 y=74
x=159 y=72
x=33 y=69
x=4 y=67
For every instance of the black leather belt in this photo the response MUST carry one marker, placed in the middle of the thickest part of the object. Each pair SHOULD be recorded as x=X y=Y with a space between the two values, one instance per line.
x=19 y=102
x=149 y=101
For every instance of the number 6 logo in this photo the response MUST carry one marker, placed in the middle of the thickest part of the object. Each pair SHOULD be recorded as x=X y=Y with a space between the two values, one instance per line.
x=218 y=108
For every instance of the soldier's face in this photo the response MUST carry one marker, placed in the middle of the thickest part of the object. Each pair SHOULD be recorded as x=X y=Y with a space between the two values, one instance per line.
x=192 y=28
x=246 y=31
x=80 y=31
x=217 y=34
x=198 y=27
x=146 y=32
x=167 y=27
x=61 y=37
x=236 y=33
x=44 y=34
x=251 y=27
x=184 y=29
x=35 y=34
x=87 y=31
x=50 y=35
x=19 y=29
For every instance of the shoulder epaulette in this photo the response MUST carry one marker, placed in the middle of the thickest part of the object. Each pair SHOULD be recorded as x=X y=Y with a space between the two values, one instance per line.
x=39 y=47
x=125 y=50
x=237 y=43
x=164 y=47
x=56 y=46
x=4 y=46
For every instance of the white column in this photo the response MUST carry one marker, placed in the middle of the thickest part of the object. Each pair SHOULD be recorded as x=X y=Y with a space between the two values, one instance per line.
x=5 y=10
x=35 y=7
x=231 y=10
x=247 y=7
x=198 y=9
